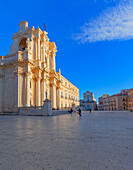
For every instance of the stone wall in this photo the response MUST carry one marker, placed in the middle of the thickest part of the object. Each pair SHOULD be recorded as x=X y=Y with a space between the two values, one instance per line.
x=7 y=89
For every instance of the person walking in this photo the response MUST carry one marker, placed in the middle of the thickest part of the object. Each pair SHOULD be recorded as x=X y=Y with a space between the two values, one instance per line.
x=71 y=111
x=79 y=112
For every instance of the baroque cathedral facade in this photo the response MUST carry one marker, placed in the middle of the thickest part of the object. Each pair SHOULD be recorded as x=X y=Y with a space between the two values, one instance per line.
x=28 y=73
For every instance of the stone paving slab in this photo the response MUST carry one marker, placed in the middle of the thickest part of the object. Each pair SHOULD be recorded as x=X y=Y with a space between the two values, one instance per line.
x=96 y=141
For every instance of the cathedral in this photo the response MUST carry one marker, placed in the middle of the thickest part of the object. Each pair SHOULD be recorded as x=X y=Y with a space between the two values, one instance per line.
x=28 y=73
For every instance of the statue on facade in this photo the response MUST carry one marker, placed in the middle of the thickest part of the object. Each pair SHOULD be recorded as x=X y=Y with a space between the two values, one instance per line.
x=29 y=44
x=46 y=93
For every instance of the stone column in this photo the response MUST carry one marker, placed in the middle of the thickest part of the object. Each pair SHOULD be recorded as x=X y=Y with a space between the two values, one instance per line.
x=35 y=48
x=27 y=89
x=39 y=48
x=43 y=53
x=20 y=88
x=16 y=89
x=48 y=61
x=38 y=92
x=53 y=61
x=41 y=93
x=54 y=105
x=44 y=50
x=24 y=89
x=58 y=97
x=43 y=90
x=33 y=91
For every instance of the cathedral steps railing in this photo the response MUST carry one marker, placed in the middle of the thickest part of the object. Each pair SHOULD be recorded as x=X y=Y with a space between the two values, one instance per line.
x=32 y=108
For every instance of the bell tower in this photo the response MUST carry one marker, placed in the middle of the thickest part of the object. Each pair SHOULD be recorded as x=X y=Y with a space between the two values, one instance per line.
x=23 y=25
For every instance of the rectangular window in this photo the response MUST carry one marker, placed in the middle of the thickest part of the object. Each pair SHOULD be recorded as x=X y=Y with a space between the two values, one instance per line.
x=61 y=94
x=65 y=95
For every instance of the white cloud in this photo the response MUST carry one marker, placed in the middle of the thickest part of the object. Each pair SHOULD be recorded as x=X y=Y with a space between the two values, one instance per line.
x=113 y=24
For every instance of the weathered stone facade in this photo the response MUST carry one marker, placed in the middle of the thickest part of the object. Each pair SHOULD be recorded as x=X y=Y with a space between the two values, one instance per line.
x=28 y=73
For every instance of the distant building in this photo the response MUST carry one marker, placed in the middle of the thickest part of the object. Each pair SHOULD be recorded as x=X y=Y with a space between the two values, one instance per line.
x=89 y=102
x=100 y=101
x=117 y=101
x=122 y=100
x=130 y=99
x=110 y=103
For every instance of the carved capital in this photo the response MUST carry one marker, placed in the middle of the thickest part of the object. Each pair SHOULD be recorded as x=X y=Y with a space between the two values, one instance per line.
x=26 y=74
x=38 y=78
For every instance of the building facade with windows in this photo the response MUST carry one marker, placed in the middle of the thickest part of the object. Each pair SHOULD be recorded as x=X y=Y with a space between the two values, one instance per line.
x=69 y=94
x=117 y=101
x=100 y=101
x=110 y=103
x=89 y=102
x=130 y=100
x=28 y=73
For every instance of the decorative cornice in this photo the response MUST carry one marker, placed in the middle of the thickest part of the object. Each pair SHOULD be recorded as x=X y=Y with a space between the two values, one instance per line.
x=23 y=33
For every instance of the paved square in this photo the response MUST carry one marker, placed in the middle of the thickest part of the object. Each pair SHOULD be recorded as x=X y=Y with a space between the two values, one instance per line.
x=96 y=141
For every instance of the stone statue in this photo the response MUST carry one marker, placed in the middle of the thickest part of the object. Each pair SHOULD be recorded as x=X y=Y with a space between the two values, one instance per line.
x=29 y=44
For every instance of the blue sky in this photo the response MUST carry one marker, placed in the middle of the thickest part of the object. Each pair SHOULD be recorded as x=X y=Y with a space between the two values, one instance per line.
x=94 y=39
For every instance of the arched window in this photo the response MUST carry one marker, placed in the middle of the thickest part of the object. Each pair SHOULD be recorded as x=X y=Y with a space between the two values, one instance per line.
x=22 y=44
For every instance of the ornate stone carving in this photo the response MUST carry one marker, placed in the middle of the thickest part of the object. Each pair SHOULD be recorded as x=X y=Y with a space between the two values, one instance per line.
x=29 y=45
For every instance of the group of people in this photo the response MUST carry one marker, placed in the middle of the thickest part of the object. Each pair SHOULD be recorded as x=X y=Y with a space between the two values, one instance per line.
x=71 y=111
x=78 y=111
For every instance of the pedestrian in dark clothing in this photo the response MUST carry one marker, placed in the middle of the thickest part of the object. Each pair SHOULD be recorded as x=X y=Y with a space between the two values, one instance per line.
x=90 y=110
x=71 y=111
x=79 y=112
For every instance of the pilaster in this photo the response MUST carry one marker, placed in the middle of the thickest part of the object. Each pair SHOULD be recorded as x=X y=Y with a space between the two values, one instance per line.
x=27 y=89
x=39 y=48
x=38 y=91
x=17 y=89
x=44 y=90
x=53 y=61
x=58 y=98
x=43 y=49
x=53 y=95
x=35 y=50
